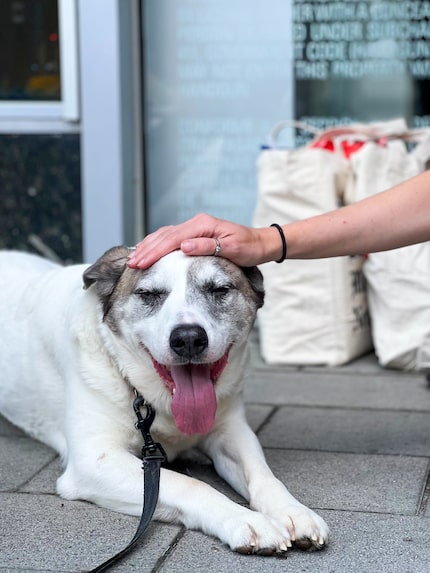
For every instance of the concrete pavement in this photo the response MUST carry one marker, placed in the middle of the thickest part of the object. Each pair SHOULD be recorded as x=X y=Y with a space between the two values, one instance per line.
x=351 y=442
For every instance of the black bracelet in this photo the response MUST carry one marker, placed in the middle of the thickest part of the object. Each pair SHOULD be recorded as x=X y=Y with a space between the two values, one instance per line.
x=284 y=243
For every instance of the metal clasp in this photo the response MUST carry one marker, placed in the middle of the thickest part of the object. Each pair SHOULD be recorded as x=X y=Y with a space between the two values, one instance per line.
x=151 y=449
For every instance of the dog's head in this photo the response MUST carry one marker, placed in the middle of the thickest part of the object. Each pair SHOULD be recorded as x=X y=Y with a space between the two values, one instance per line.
x=188 y=314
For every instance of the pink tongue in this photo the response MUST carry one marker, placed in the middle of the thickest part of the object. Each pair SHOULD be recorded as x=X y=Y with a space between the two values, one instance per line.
x=194 y=401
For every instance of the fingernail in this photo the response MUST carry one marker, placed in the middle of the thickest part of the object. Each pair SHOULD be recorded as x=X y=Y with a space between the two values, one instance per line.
x=187 y=246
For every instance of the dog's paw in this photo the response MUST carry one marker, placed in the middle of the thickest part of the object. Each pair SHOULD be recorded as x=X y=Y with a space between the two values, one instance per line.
x=255 y=533
x=307 y=530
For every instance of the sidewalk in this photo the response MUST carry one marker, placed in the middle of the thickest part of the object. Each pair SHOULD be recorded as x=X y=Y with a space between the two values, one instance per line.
x=352 y=442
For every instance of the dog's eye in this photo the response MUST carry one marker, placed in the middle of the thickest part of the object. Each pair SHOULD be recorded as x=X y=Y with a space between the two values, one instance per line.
x=150 y=296
x=219 y=291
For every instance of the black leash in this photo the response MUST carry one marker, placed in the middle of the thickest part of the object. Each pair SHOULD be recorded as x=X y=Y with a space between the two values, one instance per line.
x=153 y=455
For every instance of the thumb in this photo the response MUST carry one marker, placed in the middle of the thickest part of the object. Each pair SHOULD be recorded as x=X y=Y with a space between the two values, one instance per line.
x=200 y=246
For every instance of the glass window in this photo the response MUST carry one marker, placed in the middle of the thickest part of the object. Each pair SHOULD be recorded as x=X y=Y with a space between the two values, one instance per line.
x=29 y=50
x=217 y=76
x=40 y=199
x=361 y=61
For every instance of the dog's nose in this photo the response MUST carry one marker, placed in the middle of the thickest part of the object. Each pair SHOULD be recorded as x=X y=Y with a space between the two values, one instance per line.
x=188 y=341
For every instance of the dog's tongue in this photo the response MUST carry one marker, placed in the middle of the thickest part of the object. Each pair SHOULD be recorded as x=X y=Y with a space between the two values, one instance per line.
x=194 y=401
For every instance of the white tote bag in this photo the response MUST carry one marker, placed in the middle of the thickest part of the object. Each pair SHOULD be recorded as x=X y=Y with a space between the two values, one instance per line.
x=315 y=311
x=398 y=280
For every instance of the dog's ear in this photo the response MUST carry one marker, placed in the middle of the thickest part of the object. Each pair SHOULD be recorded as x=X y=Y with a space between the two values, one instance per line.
x=106 y=271
x=255 y=278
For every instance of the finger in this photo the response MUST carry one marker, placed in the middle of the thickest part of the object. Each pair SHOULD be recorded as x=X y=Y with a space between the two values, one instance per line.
x=136 y=261
x=153 y=247
x=200 y=246
x=144 y=258
x=153 y=240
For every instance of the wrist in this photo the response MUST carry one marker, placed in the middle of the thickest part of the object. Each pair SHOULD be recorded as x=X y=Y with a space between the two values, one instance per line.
x=283 y=243
x=271 y=244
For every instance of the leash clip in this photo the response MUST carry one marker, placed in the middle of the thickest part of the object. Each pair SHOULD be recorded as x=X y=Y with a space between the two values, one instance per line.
x=151 y=450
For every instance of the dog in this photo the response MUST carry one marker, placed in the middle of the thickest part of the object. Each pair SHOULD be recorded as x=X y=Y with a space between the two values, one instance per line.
x=75 y=343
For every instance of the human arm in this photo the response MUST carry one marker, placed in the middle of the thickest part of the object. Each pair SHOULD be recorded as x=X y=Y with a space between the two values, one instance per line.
x=245 y=246
x=387 y=220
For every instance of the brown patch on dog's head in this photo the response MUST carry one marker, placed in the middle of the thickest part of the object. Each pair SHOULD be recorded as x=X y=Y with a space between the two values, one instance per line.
x=255 y=278
x=107 y=270
x=106 y=273
x=253 y=284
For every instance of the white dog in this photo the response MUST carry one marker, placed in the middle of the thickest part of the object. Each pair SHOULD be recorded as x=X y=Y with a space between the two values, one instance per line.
x=176 y=332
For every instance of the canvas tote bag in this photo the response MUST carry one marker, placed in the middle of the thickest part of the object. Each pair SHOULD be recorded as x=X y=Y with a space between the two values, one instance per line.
x=398 y=280
x=315 y=311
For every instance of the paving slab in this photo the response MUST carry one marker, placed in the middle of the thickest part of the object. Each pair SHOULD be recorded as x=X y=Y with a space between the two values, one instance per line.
x=8 y=429
x=326 y=480
x=257 y=414
x=360 y=543
x=45 y=533
x=45 y=480
x=21 y=458
x=348 y=430
x=325 y=387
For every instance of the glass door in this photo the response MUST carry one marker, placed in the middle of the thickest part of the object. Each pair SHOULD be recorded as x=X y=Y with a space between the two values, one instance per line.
x=217 y=76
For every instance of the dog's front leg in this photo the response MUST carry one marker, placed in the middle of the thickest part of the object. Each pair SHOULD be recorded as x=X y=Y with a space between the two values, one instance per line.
x=199 y=506
x=239 y=459
x=114 y=479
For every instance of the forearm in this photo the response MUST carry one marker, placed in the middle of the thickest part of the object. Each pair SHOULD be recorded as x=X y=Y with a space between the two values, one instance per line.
x=388 y=220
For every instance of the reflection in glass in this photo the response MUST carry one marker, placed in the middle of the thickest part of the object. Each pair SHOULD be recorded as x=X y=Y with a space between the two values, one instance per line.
x=217 y=77
x=29 y=50
x=40 y=198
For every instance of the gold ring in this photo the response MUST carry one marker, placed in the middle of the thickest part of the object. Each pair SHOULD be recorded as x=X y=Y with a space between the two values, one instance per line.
x=217 y=248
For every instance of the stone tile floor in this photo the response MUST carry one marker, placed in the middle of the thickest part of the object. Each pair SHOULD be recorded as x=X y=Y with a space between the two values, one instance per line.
x=352 y=442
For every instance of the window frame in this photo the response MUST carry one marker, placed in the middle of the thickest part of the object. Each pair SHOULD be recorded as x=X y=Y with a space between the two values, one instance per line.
x=47 y=116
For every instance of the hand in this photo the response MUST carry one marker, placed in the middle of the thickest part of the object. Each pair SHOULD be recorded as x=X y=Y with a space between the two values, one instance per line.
x=244 y=246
